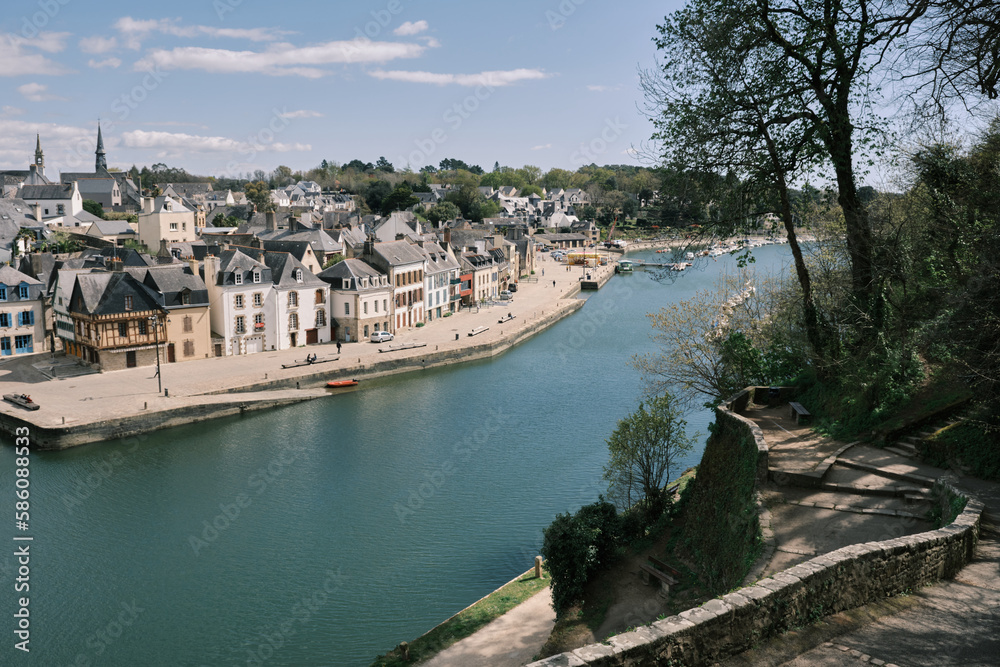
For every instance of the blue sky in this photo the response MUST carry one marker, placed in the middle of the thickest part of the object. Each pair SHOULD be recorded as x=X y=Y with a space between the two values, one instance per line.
x=228 y=86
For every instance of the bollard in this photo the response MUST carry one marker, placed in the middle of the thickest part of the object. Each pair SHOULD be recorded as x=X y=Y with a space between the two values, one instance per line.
x=404 y=649
x=456 y=336
x=145 y=406
x=166 y=393
x=538 y=567
x=64 y=420
x=296 y=385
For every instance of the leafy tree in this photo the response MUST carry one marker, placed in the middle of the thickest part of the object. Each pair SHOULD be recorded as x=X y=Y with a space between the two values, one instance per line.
x=61 y=242
x=384 y=165
x=399 y=199
x=444 y=210
x=259 y=194
x=281 y=177
x=359 y=166
x=333 y=259
x=376 y=193
x=226 y=220
x=93 y=207
x=644 y=451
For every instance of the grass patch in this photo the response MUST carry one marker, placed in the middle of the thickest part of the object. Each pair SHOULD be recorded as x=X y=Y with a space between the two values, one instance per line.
x=467 y=621
x=969 y=443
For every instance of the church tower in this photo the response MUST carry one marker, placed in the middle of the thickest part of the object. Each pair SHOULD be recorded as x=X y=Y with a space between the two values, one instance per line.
x=39 y=156
x=100 y=163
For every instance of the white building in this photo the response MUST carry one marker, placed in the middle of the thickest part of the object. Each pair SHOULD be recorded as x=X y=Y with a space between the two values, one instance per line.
x=242 y=302
x=165 y=218
x=302 y=302
x=442 y=272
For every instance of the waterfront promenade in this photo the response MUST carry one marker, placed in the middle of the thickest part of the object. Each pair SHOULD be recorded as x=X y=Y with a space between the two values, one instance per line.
x=227 y=385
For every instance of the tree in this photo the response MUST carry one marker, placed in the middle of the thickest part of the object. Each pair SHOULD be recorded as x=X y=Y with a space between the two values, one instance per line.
x=259 y=194
x=644 y=451
x=444 y=210
x=384 y=165
x=400 y=199
x=376 y=193
x=226 y=220
x=332 y=260
x=93 y=207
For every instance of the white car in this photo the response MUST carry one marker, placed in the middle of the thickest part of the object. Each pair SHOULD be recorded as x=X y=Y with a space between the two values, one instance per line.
x=381 y=337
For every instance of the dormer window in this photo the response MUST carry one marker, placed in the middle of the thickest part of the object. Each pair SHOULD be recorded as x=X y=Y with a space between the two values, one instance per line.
x=238 y=278
x=128 y=303
x=22 y=292
x=256 y=276
x=297 y=275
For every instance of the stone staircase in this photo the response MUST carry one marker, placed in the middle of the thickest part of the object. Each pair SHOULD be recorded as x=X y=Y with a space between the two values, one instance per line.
x=909 y=445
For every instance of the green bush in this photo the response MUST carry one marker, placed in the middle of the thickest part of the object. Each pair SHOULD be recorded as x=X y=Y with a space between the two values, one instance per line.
x=577 y=546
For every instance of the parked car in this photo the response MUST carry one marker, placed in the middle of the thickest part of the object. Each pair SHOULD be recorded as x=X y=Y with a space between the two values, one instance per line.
x=381 y=337
x=505 y=295
x=513 y=287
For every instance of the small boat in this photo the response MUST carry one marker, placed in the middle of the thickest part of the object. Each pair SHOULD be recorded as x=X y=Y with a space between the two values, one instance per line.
x=338 y=384
x=21 y=399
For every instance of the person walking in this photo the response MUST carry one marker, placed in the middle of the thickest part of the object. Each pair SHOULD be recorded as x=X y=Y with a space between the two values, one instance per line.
x=338 y=347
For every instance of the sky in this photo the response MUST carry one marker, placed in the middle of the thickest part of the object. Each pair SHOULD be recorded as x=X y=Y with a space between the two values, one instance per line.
x=225 y=87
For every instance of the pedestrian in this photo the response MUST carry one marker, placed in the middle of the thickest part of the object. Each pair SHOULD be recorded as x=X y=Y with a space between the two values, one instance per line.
x=338 y=347
x=553 y=283
x=543 y=273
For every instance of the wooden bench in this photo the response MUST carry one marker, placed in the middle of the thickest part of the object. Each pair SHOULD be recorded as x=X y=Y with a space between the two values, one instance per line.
x=478 y=330
x=799 y=413
x=659 y=570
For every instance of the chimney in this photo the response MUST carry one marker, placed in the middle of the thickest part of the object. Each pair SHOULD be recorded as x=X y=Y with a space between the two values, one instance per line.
x=116 y=264
x=447 y=235
x=195 y=266
x=164 y=251
x=38 y=212
x=211 y=269
x=272 y=221
x=147 y=204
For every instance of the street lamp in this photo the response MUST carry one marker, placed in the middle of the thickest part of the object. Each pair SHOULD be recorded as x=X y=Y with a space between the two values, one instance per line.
x=155 y=321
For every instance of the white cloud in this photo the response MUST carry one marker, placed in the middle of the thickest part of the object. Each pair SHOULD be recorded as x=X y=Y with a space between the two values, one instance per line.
x=37 y=92
x=172 y=141
x=279 y=59
x=107 y=62
x=18 y=59
x=11 y=111
x=411 y=28
x=301 y=113
x=490 y=79
x=602 y=89
x=98 y=44
x=134 y=30
x=541 y=147
x=66 y=144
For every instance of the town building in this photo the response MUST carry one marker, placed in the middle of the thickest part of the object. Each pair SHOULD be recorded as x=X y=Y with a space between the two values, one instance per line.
x=22 y=313
x=360 y=300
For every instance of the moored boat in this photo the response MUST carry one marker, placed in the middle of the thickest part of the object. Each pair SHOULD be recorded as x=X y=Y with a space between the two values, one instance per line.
x=21 y=399
x=337 y=384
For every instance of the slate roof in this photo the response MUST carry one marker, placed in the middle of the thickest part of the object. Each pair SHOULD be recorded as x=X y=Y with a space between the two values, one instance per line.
x=399 y=252
x=11 y=276
x=57 y=191
x=438 y=260
x=104 y=294
x=171 y=282
x=283 y=266
x=235 y=261
x=110 y=227
x=353 y=268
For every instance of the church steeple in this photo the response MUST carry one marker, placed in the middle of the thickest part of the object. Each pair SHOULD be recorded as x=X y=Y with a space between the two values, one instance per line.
x=100 y=162
x=39 y=156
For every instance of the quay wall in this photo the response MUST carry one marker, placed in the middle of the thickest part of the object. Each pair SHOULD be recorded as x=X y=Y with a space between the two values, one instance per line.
x=71 y=435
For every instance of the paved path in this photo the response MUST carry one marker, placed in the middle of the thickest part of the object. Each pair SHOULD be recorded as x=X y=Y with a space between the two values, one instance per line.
x=509 y=641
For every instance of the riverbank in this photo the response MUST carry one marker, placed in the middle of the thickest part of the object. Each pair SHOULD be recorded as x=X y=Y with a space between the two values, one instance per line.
x=91 y=408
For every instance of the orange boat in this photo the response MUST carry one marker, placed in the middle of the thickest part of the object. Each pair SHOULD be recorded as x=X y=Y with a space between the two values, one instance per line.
x=337 y=384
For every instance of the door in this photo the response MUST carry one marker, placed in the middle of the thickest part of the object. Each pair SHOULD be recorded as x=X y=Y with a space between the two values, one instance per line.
x=130 y=359
x=171 y=355
x=255 y=345
x=294 y=339
x=312 y=336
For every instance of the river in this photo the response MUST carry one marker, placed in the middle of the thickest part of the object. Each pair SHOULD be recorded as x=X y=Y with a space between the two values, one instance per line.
x=327 y=532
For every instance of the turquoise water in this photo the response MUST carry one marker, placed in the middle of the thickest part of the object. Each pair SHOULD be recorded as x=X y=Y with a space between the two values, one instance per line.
x=326 y=533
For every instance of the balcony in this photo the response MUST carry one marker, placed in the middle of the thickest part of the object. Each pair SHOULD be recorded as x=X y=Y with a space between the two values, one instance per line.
x=455 y=281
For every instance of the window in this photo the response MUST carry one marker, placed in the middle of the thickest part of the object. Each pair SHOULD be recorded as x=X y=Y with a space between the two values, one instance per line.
x=241 y=324
x=347 y=308
x=320 y=318
x=23 y=344
x=128 y=303
x=123 y=329
x=385 y=305
x=258 y=321
x=60 y=209
x=173 y=226
x=293 y=299
x=258 y=299
x=186 y=298
x=26 y=318
x=293 y=322
x=365 y=307
x=238 y=301
x=188 y=324
x=297 y=275
x=22 y=292
x=184 y=226
x=141 y=324
x=320 y=297
x=376 y=305
x=3 y=292
x=366 y=330
x=189 y=348
x=238 y=278
x=256 y=276
x=5 y=346
x=4 y=320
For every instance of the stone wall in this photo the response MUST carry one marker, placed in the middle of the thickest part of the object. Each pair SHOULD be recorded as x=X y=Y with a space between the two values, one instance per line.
x=843 y=579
